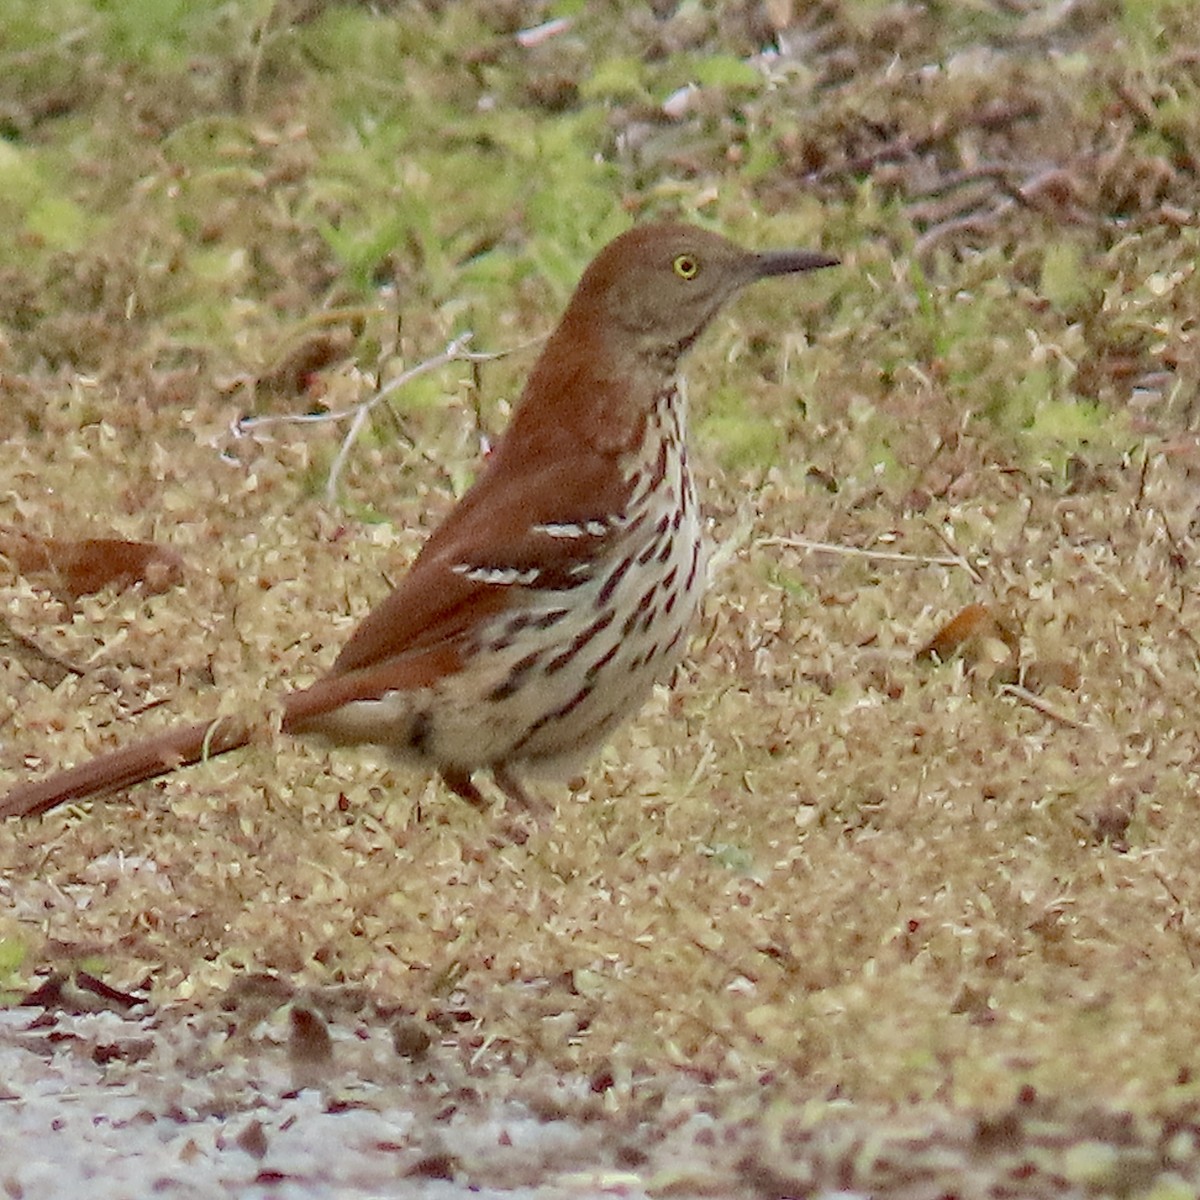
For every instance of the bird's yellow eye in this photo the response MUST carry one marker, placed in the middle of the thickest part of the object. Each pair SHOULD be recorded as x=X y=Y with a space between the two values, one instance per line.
x=686 y=266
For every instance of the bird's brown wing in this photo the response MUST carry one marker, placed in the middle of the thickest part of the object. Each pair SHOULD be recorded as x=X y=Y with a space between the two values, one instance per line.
x=506 y=534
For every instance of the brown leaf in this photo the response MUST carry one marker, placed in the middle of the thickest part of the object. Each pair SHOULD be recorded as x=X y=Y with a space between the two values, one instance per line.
x=1051 y=672
x=291 y=373
x=253 y=1139
x=77 y=568
x=310 y=1048
x=79 y=992
x=985 y=640
x=88 y=982
x=411 y=1038
x=434 y=1166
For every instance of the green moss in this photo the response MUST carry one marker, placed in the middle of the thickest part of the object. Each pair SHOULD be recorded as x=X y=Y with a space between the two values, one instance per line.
x=1066 y=280
x=740 y=440
x=13 y=951
x=617 y=78
x=33 y=200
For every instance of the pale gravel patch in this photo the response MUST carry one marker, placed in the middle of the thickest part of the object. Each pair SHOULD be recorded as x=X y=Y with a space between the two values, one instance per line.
x=103 y=1106
x=175 y=1125
x=68 y=1131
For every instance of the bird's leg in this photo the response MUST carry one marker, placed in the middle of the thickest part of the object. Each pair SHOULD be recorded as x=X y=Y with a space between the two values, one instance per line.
x=535 y=806
x=459 y=782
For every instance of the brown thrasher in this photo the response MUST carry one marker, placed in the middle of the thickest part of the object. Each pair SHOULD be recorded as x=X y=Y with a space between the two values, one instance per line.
x=543 y=609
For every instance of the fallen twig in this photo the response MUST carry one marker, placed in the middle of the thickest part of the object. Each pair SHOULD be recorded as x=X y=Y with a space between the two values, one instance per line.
x=455 y=351
x=1036 y=702
x=937 y=560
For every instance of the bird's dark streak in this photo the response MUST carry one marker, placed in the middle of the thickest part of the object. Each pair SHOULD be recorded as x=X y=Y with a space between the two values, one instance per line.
x=643 y=659
x=660 y=468
x=519 y=624
x=652 y=547
x=614 y=578
x=579 y=641
x=555 y=714
x=603 y=661
x=634 y=525
x=516 y=677
x=611 y=719
x=668 y=357
x=691 y=579
x=656 y=651
x=637 y=614
x=564 y=578
x=509 y=635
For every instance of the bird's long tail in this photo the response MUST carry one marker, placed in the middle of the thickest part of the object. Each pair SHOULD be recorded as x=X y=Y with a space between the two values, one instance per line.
x=133 y=764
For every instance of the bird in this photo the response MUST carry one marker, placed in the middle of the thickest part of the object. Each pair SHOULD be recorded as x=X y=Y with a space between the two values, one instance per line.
x=561 y=587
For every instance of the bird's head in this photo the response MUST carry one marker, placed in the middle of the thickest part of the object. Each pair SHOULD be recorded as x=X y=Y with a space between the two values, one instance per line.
x=660 y=284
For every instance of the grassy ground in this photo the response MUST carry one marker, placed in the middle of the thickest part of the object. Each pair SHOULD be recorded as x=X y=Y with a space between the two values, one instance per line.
x=820 y=870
